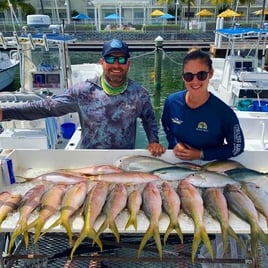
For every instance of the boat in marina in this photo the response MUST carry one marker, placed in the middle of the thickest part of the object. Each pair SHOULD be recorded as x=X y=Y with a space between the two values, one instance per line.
x=241 y=81
x=45 y=70
x=9 y=64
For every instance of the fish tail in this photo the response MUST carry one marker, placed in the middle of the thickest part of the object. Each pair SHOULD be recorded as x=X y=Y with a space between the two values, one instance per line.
x=179 y=232
x=26 y=238
x=68 y=229
x=151 y=231
x=173 y=226
x=78 y=241
x=38 y=228
x=53 y=225
x=86 y=232
x=168 y=231
x=102 y=228
x=131 y=221
x=114 y=229
x=206 y=240
x=146 y=237
x=232 y=233
x=257 y=234
x=13 y=237
x=200 y=234
x=157 y=239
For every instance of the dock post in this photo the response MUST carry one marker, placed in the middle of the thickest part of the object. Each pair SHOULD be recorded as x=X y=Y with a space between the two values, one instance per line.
x=158 y=61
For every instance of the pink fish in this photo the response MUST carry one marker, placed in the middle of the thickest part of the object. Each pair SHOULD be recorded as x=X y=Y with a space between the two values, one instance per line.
x=192 y=204
x=73 y=199
x=31 y=200
x=152 y=207
x=93 y=206
x=171 y=204
x=115 y=203
x=50 y=204
x=133 y=204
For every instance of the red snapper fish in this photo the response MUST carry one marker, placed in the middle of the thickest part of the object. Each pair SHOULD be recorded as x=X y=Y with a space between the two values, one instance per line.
x=239 y=203
x=133 y=204
x=126 y=177
x=216 y=204
x=95 y=170
x=73 y=199
x=192 y=204
x=30 y=201
x=50 y=204
x=171 y=204
x=9 y=206
x=3 y=197
x=58 y=178
x=94 y=203
x=152 y=207
x=115 y=203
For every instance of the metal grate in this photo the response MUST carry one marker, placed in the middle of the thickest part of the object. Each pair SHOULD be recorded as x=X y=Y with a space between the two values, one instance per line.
x=53 y=250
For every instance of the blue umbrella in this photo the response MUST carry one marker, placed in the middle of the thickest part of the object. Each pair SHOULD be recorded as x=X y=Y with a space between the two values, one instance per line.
x=81 y=16
x=113 y=16
x=166 y=16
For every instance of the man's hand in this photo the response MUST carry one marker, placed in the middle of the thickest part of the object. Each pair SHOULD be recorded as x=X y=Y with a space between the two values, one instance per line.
x=156 y=149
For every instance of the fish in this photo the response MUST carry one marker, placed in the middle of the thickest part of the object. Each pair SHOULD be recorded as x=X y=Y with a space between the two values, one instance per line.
x=249 y=175
x=93 y=206
x=171 y=204
x=173 y=173
x=240 y=204
x=115 y=203
x=209 y=179
x=141 y=163
x=216 y=204
x=125 y=177
x=58 y=178
x=95 y=170
x=73 y=199
x=152 y=207
x=30 y=201
x=50 y=204
x=9 y=206
x=3 y=197
x=192 y=205
x=133 y=204
x=221 y=166
x=258 y=195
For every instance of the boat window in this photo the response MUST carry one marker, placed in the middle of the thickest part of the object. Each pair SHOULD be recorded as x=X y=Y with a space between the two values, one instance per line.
x=247 y=66
x=238 y=65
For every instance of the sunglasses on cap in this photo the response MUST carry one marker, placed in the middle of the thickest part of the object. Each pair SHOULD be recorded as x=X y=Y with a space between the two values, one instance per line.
x=201 y=76
x=111 y=59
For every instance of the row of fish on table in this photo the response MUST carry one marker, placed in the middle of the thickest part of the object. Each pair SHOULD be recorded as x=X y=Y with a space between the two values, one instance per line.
x=141 y=184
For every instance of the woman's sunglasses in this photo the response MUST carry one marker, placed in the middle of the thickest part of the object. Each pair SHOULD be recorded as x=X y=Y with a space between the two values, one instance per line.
x=201 y=76
x=120 y=59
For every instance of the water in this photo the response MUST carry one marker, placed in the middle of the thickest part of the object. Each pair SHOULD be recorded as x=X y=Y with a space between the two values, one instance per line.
x=142 y=71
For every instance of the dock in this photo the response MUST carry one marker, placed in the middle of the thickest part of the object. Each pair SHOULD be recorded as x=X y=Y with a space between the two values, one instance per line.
x=143 y=45
x=168 y=45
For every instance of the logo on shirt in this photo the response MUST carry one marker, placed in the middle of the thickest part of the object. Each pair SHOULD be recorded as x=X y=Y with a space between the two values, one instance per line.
x=176 y=121
x=202 y=126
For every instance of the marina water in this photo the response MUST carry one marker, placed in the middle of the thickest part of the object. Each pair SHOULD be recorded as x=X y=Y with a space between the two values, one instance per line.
x=142 y=71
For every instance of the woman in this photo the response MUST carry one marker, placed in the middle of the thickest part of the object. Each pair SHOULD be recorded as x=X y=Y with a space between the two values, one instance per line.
x=198 y=125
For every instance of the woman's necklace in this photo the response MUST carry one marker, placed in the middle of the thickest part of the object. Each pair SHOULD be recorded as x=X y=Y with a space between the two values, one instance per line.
x=112 y=90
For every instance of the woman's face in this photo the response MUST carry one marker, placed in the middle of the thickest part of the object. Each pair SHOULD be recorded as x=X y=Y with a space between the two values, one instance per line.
x=196 y=76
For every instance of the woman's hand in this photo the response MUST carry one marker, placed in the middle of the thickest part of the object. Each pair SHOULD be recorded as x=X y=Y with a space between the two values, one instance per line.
x=186 y=152
x=156 y=149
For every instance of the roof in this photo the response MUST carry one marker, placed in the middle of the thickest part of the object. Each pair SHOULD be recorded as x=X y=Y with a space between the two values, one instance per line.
x=241 y=32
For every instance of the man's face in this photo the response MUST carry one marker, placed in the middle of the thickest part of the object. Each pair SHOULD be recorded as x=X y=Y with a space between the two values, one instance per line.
x=115 y=68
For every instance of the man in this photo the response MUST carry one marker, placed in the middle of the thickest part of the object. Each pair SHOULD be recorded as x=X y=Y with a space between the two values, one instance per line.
x=108 y=107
